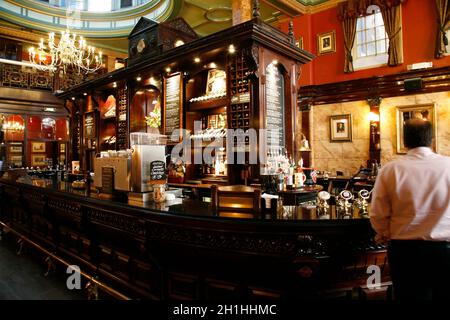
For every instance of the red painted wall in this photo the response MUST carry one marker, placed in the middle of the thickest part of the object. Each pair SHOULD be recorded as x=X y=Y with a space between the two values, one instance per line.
x=419 y=36
x=61 y=129
x=34 y=127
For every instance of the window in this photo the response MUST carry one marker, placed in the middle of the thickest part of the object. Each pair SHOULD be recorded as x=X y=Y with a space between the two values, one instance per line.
x=75 y=4
x=100 y=6
x=126 y=3
x=371 y=43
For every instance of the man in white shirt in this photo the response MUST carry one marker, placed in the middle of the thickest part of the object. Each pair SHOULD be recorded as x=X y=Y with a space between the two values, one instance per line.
x=410 y=209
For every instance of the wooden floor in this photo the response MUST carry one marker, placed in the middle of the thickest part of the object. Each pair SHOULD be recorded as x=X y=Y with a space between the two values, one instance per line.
x=22 y=277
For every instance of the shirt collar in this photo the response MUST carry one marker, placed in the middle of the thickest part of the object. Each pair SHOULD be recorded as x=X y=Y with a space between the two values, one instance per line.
x=420 y=152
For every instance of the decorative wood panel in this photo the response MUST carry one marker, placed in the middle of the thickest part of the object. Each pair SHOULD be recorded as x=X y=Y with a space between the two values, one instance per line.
x=156 y=256
x=434 y=80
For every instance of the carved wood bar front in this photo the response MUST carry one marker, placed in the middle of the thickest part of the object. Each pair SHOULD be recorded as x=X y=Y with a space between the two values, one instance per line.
x=187 y=252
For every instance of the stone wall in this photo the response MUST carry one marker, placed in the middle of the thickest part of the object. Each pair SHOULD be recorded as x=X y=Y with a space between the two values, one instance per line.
x=349 y=156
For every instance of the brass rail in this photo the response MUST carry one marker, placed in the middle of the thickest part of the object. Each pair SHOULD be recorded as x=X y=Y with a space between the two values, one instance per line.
x=112 y=292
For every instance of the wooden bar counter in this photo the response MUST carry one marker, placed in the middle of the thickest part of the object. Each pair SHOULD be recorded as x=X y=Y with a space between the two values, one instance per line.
x=186 y=251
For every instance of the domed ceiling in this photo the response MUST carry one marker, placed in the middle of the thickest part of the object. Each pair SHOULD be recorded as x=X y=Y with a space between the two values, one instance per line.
x=108 y=23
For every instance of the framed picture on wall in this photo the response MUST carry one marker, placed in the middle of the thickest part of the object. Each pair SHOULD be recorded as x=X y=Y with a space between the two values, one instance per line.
x=326 y=42
x=37 y=146
x=15 y=148
x=426 y=112
x=216 y=83
x=16 y=160
x=38 y=160
x=341 y=128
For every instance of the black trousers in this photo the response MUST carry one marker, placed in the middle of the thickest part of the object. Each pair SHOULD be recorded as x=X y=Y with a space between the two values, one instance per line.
x=420 y=270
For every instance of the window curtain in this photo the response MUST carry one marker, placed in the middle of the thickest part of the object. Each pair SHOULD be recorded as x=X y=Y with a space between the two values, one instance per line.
x=349 y=30
x=443 y=11
x=350 y=11
x=392 y=24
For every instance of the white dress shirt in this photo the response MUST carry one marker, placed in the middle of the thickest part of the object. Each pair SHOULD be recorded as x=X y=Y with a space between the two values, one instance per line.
x=411 y=198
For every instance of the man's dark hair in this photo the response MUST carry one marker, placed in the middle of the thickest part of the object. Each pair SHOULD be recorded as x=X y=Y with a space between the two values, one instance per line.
x=417 y=133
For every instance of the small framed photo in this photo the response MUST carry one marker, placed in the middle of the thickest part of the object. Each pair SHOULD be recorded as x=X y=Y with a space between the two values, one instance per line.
x=38 y=146
x=38 y=160
x=341 y=128
x=216 y=83
x=15 y=148
x=326 y=42
x=16 y=160
x=299 y=43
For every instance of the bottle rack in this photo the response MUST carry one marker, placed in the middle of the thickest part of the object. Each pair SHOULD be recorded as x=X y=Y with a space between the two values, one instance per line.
x=122 y=119
x=240 y=111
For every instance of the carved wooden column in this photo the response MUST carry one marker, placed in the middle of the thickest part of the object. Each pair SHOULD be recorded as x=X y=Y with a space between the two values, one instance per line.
x=375 y=144
x=241 y=11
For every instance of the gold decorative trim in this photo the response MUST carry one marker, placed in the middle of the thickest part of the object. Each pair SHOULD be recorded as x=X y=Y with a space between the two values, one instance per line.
x=30 y=37
x=85 y=32
x=305 y=9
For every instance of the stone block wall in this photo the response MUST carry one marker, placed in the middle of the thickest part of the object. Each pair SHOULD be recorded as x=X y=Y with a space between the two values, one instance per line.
x=349 y=156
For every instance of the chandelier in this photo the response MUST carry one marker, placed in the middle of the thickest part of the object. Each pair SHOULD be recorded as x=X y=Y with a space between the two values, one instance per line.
x=13 y=126
x=69 y=52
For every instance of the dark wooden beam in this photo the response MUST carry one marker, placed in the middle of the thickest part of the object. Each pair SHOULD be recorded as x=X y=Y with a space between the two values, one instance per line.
x=434 y=80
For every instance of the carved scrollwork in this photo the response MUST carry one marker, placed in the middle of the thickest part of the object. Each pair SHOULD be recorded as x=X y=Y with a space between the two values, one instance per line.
x=65 y=207
x=251 y=56
x=115 y=220
x=34 y=197
x=219 y=240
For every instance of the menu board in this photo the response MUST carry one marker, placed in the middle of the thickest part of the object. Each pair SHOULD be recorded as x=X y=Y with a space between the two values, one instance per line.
x=172 y=119
x=157 y=170
x=275 y=106
x=107 y=180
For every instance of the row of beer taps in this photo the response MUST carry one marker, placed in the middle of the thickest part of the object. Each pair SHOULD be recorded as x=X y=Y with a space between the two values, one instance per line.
x=344 y=208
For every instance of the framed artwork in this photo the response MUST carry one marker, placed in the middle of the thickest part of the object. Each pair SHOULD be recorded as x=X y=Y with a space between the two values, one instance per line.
x=341 y=128
x=299 y=43
x=424 y=111
x=326 y=42
x=16 y=160
x=38 y=146
x=15 y=148
x=216 y=83
x=38 y=160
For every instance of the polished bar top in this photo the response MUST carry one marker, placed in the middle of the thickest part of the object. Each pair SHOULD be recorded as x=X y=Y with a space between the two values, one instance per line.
x=196 y=208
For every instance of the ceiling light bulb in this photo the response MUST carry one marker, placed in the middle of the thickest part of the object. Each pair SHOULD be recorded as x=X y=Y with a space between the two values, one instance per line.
x=196 y=59
x=179 y=43
x=231 y=49
x=138 y=79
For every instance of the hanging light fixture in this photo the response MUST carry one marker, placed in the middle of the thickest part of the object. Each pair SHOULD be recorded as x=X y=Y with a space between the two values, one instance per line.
x=70 y=51
x=12 y=125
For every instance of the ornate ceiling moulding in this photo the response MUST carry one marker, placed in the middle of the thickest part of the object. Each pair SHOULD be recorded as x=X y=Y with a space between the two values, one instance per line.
x=109 y=25
x=302 y=7
x=123 y=14
x=34 y=37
